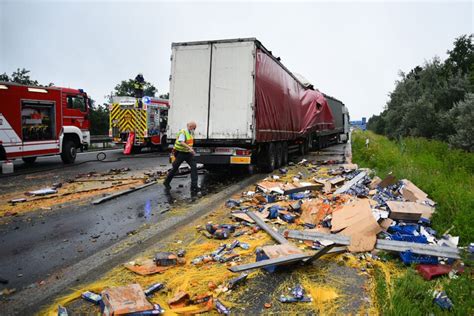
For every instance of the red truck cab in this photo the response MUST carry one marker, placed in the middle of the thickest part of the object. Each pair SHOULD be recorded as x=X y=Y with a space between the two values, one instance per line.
x=40 y=121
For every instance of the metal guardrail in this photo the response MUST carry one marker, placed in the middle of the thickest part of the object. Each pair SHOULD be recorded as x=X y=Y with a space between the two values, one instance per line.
x=100 y=138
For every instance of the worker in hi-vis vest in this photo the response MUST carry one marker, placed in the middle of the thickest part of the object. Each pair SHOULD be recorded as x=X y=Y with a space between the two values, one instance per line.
x=183 y=151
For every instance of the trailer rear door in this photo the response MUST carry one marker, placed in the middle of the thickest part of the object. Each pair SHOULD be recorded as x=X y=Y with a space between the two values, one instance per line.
x=189 y=88
x=232 y=91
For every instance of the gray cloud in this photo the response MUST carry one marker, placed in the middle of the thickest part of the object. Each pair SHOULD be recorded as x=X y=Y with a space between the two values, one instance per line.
x=349 y=50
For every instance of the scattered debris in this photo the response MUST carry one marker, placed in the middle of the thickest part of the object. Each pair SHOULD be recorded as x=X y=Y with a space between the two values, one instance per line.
x=124 y=300
x=113 y=196
x=92 y=297
x=428 y=271
x=62 y=311
x=165 y=259
x=297 y=295
x=19 y=200
x=42 y=192
x=153 y=288
x=233 y=283
x=320 y=211
x=442 y=300
x=221 y=309
x=145 y=267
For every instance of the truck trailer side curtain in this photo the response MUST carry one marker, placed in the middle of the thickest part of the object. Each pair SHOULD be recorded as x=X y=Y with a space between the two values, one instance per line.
x=285 y=109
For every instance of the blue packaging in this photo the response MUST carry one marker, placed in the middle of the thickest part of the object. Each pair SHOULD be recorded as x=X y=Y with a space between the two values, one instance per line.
x=287 y=218
x=92 y=297
x=442 y=300
x=297 y=196
x=270 y=198
x=404 y=229
x=409 y=238
x=408 y=258
x=298 y=292
x=273 y=211
x=260 y=255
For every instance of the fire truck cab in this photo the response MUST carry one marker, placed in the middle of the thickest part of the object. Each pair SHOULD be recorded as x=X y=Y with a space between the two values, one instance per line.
x=41 y=121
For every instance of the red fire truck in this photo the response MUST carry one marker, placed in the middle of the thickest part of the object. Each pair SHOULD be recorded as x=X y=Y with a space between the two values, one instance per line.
x=41 y=121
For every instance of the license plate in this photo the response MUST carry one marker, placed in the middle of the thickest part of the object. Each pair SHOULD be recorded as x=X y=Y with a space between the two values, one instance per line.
x=203 y=150
x=240 y=160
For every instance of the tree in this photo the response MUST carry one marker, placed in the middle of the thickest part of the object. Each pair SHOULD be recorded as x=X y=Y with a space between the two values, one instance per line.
x=462 y=117
x=461 y=57
x=126 y=88
x=165 y=96
x=428 y=100
x=99 y=119
x=22 y=76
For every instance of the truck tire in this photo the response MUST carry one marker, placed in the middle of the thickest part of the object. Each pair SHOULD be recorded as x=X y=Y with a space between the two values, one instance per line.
x=136 y=149
x=278 y=155
x=284 y=156
x=29 y=160
x=69 y=152
x=164 y=144
x=267 y=158
x=303 y=149
x=3 y=153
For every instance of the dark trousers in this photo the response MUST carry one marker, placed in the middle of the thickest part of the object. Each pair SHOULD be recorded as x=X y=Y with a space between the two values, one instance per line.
x=189 y=158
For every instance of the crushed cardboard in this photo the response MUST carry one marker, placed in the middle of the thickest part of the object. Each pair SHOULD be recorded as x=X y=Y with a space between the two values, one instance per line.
x=145 y=267
x=278 y=251
x=123 y=300
x=409 y=210
x=356 y=221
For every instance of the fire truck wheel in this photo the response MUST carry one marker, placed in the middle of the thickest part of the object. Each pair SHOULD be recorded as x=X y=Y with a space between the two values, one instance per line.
x=3 y=153
x=29 y=160
x=136 y=149
x=69 y=152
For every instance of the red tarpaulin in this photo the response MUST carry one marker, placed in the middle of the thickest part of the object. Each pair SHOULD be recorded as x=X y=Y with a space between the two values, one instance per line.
x=285 y=109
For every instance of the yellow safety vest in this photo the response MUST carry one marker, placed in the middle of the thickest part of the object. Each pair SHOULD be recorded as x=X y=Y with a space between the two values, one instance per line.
x=189 y=139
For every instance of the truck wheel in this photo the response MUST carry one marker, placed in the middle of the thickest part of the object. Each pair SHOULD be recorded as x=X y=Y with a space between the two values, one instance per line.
x=136 y=149
x=164 y=144
x=303 y=149
x=3 y=153
x=278 y=155
x=284 y=155
x=69 y=152
x=268 y=158
x=29 y=160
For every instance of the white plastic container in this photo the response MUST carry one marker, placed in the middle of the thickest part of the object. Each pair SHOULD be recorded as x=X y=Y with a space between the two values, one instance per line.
x=7 y=167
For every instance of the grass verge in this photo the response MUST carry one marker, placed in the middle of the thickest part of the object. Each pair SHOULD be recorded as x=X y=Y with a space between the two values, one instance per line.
x=447 y=176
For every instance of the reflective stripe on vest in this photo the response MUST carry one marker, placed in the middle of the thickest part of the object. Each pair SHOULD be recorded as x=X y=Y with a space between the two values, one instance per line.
x=189 y=140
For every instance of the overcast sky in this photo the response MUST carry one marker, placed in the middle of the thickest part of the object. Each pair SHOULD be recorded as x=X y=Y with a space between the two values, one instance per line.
x=351 y=50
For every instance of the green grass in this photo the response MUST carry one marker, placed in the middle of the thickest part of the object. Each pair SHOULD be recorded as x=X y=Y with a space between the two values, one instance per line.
x=447 y=176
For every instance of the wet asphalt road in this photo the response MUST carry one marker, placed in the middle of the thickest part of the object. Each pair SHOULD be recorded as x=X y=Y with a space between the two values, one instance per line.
x=47 y=170
x=38 y=244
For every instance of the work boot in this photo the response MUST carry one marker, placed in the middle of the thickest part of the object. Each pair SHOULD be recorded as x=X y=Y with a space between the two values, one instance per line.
x=167 y=186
